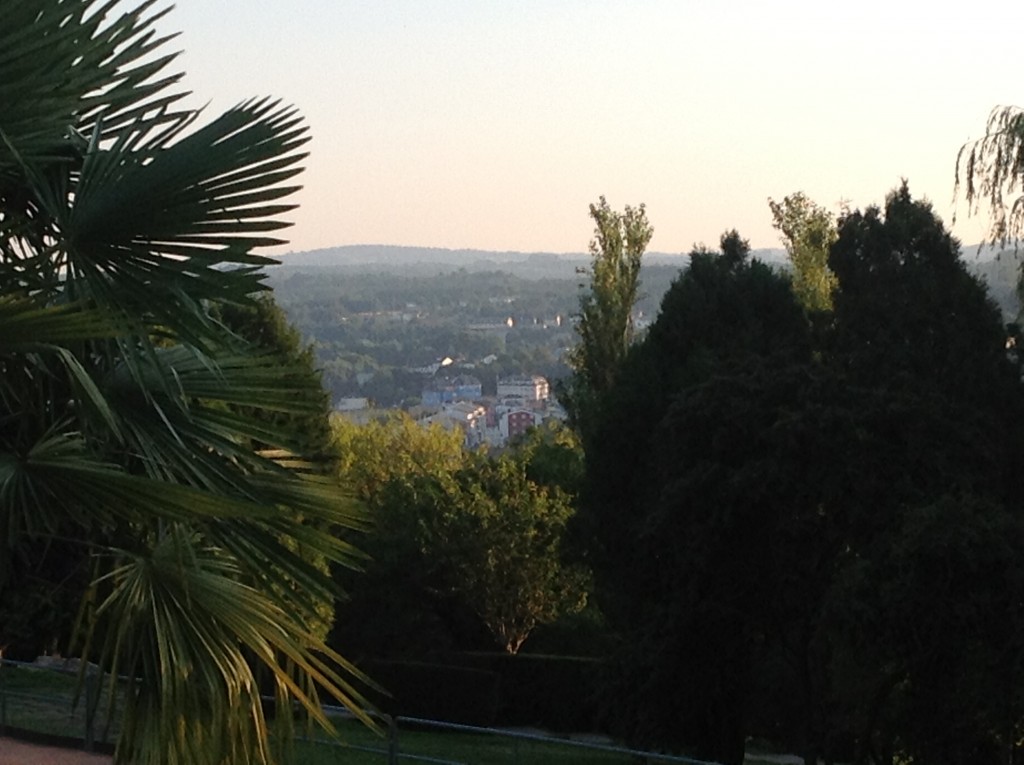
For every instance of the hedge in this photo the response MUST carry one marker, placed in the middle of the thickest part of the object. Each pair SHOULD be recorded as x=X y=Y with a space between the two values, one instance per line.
x=446 y=692
x=556 y=693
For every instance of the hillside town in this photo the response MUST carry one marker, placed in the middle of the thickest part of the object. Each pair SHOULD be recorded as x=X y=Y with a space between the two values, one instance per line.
x=458 y=402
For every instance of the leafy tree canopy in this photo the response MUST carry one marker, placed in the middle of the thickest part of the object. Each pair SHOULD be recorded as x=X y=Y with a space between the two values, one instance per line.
x=459 y=538
x=605 y=323
x=808 y=232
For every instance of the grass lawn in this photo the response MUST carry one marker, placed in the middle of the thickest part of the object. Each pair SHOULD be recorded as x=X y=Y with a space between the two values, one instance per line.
x=42 y=700
x=468 y=748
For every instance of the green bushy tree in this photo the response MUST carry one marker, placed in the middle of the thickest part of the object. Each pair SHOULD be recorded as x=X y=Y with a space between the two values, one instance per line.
x=808 y=232
x=461 y=540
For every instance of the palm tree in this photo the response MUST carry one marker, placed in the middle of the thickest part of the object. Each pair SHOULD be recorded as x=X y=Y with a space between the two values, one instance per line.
x=133 y=423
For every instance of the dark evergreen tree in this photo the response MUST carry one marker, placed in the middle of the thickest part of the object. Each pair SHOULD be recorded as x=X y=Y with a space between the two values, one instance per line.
x=749 y=481
x=921 y=347
x=685 y=662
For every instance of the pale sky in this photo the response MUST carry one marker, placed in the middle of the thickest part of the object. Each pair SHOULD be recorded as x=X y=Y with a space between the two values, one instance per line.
x=493 y=125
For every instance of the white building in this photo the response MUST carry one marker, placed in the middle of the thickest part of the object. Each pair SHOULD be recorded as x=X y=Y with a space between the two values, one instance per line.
x=351 y=404
x=530 y=390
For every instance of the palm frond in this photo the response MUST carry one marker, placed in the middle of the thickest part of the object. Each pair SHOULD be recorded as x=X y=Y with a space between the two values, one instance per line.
x=63 y=67
x=196 y=625
x=28 y=324
x=132 y=420
x=59 y=477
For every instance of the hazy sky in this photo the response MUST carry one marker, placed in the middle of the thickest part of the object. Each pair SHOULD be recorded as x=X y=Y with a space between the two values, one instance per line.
x=493 y=125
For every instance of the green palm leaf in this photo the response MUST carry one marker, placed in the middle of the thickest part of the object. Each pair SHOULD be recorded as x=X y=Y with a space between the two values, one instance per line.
x=29 y=324
x=197 y=621
x=63 y=67
x=132 y=420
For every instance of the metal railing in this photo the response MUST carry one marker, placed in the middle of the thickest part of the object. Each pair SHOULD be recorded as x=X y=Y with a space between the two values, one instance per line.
x=396 y=752
x=66 y=713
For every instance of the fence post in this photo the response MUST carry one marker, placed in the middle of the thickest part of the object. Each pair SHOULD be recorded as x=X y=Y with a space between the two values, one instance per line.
x=91 y=703
x=3 y=697
x=392 y=739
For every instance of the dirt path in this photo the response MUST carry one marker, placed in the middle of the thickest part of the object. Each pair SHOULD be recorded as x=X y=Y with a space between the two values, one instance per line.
x=14 y=752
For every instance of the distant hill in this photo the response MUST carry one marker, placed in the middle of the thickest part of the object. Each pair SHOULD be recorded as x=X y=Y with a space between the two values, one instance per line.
x=393 y=255
x=1000 y=272
x=996 y=267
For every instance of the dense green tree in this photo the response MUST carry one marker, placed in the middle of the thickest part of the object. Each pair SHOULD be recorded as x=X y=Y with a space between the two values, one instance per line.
x=401 y=607
x=749 y=481
x=725 y=306
x=391 y=447
x=723 y=314
x=929 y=625
x=939 y=431
x=500 y=538
x=808 y=232
x=456 y=534
x=264 y=330
x=908 y=313
x=128 y=422
x=553 y=456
